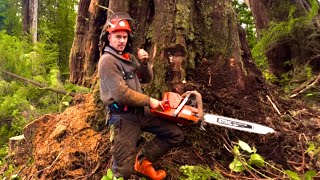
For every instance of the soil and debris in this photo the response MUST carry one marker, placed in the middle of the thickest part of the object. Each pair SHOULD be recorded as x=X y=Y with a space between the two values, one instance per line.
x=75 y=144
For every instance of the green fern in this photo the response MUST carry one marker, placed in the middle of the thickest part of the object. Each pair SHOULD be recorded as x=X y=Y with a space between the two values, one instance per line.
x=280 y=31
x=199 y=173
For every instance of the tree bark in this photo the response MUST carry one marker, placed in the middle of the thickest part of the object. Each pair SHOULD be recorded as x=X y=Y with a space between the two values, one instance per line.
x=25 y=18
x=34 y=20
x=30 y=18
x=193 y=45
x=85 y=52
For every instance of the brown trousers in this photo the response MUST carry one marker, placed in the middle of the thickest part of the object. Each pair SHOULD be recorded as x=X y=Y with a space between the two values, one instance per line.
x=125 y=131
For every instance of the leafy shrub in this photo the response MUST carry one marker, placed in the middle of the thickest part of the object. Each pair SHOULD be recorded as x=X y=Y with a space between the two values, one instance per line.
x=199 y=173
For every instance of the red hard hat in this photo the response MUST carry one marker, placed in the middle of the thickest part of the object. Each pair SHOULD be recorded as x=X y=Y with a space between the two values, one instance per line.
x=119 y=21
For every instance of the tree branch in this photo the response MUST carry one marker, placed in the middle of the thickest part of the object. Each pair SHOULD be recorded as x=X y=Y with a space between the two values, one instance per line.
x=59 y=91
x=273 y=105
x=307 y=87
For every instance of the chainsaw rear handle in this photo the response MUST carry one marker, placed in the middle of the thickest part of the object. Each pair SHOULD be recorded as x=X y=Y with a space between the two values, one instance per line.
x=198 y=100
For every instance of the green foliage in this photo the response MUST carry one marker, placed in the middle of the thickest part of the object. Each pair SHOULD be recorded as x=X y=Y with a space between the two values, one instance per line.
x=15 y=177
x=300 y=31
x=74 y=88
x=245 y=18
x=295 y=176
x=3 y=152
x=309 y=175
x=270 y=77
x=57 y=21
x=279 y=31
x=292 y=175
x=199 y=173
x=284 y=80
x=20 y=102
x=45 y=62
x=239 y=162
x=313 y=150
x=12 y=52
x=12 y=106
x=8 y=172
x=109 y=176
x=10 y=17
x=242 y=161
x=300 y=76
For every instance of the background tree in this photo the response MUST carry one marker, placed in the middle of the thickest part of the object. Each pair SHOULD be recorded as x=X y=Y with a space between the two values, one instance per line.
x=85 y=52
x=30 y=18
x=289 y=36
x=57 y=24
x=246 y=21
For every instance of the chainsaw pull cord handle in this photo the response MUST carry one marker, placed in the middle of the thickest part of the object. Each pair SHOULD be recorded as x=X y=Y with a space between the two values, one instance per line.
x=198 y=100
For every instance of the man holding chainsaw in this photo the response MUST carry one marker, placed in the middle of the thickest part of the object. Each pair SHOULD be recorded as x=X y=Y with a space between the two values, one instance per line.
x=120 y=89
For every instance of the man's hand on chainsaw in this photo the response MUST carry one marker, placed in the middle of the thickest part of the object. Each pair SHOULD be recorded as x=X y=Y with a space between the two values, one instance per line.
x=154 y=103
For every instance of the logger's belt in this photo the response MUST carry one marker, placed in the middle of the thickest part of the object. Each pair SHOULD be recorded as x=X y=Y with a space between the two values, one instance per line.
x=115 y=108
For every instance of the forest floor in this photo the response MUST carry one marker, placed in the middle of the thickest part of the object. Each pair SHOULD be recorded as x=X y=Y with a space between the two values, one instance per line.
x=75 y=145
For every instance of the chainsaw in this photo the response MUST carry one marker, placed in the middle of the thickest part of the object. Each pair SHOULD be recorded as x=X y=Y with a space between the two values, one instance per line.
x=173 y=107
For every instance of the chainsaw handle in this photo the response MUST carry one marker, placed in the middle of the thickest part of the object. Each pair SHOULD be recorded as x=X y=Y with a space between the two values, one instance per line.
x=198 y=100
x=164 y=105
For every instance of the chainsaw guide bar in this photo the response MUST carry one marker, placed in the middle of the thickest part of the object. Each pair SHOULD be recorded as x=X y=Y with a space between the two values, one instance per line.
x=174 y=108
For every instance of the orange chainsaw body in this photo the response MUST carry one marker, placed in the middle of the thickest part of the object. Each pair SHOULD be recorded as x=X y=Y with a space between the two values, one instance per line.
x=170 y=103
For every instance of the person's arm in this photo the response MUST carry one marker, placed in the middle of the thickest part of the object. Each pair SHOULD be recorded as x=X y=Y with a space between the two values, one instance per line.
x=154 y=103
x=145 y=70
x=111 y=77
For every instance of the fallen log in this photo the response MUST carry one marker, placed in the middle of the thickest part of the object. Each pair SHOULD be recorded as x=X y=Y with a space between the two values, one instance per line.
x=59 y=91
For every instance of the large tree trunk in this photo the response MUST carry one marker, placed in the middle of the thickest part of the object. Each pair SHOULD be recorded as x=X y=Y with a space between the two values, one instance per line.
x=34 y=20
x=30 y=18
x=197 y=42
x=296 y=48
x=84 y=54
x=25 y=17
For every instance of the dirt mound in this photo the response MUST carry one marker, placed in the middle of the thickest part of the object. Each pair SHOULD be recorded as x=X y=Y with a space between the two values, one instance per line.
x=66 y=146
